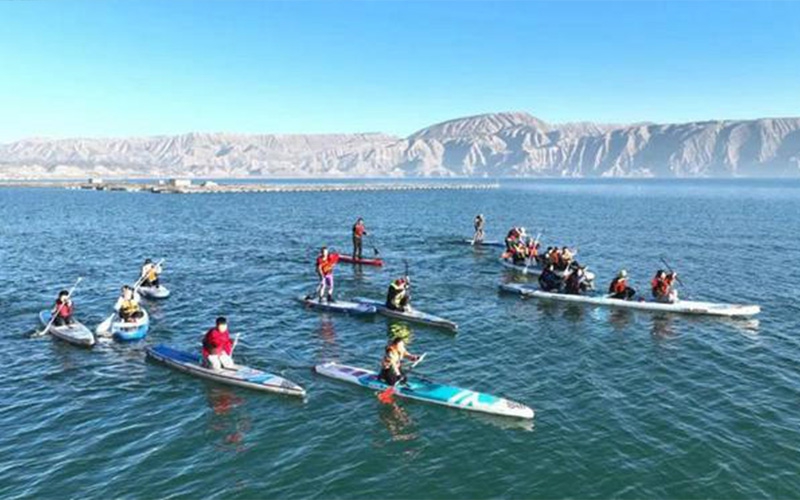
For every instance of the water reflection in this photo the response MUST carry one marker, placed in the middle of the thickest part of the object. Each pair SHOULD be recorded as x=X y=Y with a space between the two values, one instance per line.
x=574 y=313
x=329 y=347
x=228 y=418
x=662 y=326
x=620 y=318
x=398 y=422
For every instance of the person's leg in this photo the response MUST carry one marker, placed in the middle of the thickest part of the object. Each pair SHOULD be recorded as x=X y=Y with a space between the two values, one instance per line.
x=329 y=280
x=58 y=321
x=389 y=376
x=355 y=247
x=226 y=361
x=321 y=289
x=213 y=362
x=360 y=248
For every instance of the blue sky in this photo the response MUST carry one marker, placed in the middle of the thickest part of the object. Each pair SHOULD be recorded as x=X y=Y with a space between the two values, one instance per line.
x=117 y=68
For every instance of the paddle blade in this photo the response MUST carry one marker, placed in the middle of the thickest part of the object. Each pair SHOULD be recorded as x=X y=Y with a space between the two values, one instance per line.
x=386 y=396
x=104 y=327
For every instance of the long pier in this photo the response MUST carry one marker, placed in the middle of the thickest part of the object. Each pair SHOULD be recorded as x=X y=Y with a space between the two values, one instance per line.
x=214 y=187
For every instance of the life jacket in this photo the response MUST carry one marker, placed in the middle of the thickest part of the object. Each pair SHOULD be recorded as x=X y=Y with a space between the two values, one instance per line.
x=660 y=286
x=63 y=310
x=328 y=264
x=359 y=230
x=150 y=272
x=128 y=307
x=619 y=285
x=393 y=356
x=555 y=258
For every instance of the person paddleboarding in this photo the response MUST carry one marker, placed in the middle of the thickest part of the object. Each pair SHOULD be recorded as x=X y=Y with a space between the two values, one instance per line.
x=663 y=287
x=326 y=262
x=359 y=231
x=150 y=273
x=398 y=297
x=63 y=309
x=619 y=288
x=391 y=366
x=478 y=224
x=127 y=306
x=218 y=347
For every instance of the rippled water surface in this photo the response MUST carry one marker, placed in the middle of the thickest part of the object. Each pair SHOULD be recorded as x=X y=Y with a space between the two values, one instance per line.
x=627 y=404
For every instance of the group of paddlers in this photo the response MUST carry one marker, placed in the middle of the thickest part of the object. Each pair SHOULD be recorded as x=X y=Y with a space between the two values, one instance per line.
x=127 y=306
x=561 y=273
x=398 y=298
x=662 y=287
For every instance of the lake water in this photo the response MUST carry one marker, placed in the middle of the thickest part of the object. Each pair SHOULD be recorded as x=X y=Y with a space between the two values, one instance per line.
x=628 y=405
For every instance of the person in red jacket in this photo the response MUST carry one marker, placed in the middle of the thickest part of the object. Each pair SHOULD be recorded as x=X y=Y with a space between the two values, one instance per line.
x=619 y=288
x=326 y=262
x=663 y=287
x=63 y=309
x=359 y=230
x=217 y=346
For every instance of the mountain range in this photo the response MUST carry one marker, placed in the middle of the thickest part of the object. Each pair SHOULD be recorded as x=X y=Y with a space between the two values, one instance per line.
x=490 y=145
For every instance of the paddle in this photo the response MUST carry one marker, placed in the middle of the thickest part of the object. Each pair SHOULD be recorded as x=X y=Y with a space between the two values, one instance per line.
x=372 y=244
x=408 y=284
x=105 y=325
x=54 y=315
x=385 y=396
x=235 y=342
x=535 y=242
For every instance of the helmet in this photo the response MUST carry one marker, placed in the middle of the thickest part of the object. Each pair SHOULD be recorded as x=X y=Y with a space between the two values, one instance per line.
x=622 y=274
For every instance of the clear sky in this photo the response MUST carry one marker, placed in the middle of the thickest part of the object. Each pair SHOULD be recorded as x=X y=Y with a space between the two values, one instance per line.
x=117 y=68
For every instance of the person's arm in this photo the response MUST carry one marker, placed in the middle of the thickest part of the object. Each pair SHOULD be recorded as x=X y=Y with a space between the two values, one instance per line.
x=228 y=347
x=118 y=304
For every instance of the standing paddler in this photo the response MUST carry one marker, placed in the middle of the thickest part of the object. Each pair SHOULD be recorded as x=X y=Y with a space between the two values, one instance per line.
x=359 y=230
x=479 y=224
x=326 y=262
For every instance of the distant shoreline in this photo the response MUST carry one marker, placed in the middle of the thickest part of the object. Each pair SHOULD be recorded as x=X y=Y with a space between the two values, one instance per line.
x=221 y=187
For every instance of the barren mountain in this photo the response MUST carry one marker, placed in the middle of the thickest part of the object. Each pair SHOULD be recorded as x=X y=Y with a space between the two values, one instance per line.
x=494 y=145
